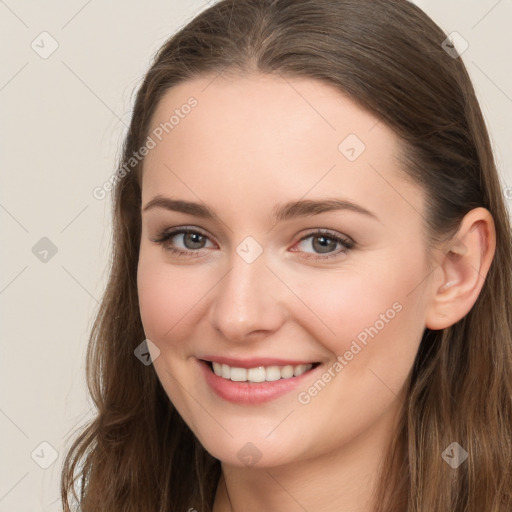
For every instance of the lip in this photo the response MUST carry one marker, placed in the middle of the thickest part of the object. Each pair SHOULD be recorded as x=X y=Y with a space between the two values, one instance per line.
x=251 y=393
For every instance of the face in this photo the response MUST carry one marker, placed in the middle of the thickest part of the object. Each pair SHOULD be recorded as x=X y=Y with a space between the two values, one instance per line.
x=280 y=241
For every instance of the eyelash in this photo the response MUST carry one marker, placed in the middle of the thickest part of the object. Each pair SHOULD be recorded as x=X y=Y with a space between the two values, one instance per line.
x=165 y=236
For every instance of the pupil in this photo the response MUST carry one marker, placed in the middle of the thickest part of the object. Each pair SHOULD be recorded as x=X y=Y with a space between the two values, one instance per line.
x=325 y=244
x=196 y=240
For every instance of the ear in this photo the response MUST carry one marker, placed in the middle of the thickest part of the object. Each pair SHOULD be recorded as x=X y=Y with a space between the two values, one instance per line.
x=463 y=265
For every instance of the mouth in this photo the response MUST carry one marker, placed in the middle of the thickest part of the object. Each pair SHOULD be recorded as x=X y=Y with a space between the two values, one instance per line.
x=256 y=381
x=259 y=374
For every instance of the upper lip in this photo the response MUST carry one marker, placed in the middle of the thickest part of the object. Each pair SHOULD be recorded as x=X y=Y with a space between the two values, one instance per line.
x=254 y=362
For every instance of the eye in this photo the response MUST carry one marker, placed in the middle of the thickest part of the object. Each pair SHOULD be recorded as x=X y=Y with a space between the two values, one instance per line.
x=192 y=241
x=324 y=243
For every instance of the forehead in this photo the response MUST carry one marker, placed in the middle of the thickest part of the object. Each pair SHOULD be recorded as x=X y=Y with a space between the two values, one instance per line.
x=272 y=109
x=270 y=139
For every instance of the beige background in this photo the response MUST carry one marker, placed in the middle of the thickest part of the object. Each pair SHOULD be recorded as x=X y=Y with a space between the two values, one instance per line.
x=66 y=115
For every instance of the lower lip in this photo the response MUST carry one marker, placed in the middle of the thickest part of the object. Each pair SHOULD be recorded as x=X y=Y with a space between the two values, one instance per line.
x=251 y=393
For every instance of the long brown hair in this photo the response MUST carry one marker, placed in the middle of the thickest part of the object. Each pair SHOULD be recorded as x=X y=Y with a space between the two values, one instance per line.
x=137 y=454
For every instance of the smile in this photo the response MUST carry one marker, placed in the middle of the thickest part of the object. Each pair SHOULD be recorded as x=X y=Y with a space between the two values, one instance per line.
x=255 y=382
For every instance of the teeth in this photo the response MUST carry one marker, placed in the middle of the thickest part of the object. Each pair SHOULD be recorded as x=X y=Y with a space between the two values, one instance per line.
x=300 y=369
x=272 y=373
x=238 y=374
x=260 y=373
x=225 y=371
x=255 y=374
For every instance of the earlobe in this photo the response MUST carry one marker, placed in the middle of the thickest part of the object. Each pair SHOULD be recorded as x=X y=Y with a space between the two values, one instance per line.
x=463 y=266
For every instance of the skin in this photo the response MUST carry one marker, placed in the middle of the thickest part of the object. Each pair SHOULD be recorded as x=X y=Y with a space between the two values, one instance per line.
x=252 y=143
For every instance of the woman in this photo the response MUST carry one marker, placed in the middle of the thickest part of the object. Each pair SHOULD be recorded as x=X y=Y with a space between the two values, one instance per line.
x=311 y=247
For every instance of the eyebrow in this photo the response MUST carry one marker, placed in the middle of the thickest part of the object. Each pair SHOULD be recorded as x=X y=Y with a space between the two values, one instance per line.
x=286 y=211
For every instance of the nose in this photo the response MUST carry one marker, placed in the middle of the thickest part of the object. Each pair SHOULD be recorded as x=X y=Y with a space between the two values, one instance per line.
x=248 y=302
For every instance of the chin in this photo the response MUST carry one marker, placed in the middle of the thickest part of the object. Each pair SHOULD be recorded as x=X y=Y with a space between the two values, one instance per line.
x=258 y=453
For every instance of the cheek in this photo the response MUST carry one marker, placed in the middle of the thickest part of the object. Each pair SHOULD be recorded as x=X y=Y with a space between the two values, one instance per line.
x=168 y=296
x=378 y=327
x=344 y=304
x=376 y=313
